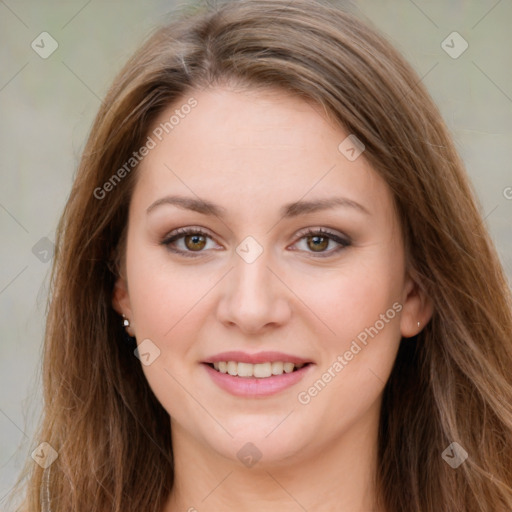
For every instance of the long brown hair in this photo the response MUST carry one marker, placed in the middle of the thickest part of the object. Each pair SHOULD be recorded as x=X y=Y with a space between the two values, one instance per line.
x=451 y=384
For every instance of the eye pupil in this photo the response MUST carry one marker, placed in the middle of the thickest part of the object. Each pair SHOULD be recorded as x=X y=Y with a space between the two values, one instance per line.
x=196 y=240
x=317 y=244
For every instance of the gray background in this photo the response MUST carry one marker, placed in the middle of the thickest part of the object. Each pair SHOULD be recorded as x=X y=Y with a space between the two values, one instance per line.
x=47 y=107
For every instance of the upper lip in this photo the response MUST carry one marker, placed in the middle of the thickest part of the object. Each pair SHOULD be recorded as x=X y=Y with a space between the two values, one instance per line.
x=258 y=357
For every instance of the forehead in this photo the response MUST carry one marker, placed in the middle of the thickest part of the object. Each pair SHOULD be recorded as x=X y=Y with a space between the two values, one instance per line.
x=250 y=148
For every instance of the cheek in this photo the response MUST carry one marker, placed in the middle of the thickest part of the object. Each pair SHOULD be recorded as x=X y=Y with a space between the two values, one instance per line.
x=163 y=295
x=168 y=304
x=360 y=305
x=355 y=362
x=353 y=297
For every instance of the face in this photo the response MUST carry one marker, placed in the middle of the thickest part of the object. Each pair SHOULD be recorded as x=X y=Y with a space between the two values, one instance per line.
x=276 y=248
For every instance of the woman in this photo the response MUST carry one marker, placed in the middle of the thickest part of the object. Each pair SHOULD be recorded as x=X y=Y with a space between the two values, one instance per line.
x=273 y=289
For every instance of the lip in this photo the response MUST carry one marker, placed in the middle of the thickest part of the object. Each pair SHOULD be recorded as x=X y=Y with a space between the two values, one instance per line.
x=253 y=387
x=259 y=357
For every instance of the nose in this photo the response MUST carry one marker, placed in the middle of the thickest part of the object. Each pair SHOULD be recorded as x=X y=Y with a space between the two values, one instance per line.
x=254 y=299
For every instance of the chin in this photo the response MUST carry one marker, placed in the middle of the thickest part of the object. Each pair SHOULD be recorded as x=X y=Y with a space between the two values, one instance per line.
x=262 y=439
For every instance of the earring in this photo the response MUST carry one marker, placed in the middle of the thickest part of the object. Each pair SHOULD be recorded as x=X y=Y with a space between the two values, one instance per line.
x=129 y=338
x=419 y=324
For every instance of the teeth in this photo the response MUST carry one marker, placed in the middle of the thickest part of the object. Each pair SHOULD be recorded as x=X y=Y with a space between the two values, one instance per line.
x=288 y=367
x=245 y=369
x=232 y=368
x=277 y=368
x=260 y=370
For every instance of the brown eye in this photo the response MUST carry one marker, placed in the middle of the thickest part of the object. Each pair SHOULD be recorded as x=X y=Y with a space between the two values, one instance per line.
x=318 y=243
x=188 y=242
x=322 y=243
x=195 y=242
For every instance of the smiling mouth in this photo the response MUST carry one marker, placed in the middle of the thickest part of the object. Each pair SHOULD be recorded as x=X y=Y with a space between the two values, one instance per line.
x=259 y=370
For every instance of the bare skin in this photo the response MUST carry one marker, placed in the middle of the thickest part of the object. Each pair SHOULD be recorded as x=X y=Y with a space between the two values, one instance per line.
x=252 y=153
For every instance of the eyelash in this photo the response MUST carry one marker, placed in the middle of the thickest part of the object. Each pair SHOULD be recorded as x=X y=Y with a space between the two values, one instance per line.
x=182 y=232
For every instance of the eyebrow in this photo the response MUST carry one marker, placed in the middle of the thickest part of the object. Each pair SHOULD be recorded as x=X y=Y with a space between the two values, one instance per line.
x=287 y=211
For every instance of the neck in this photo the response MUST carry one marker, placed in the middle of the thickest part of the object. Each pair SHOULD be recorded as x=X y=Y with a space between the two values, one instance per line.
x=336 y=476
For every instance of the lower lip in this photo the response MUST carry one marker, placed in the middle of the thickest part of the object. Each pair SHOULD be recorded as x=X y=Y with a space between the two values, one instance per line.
x=256 y=387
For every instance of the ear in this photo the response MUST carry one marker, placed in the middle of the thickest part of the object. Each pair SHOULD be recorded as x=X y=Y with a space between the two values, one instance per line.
x=121 y=301
x=417 y=307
